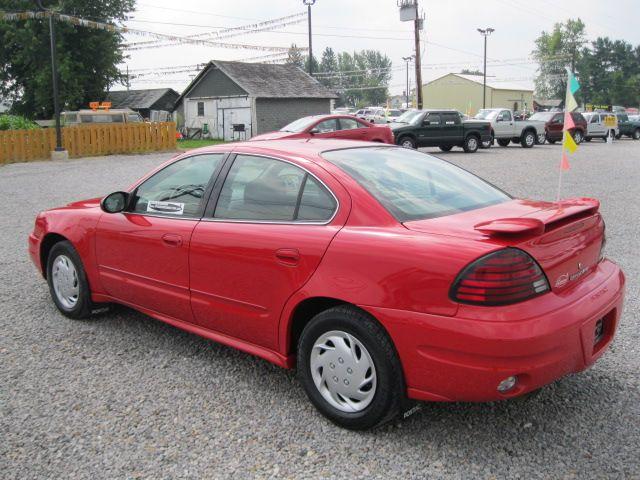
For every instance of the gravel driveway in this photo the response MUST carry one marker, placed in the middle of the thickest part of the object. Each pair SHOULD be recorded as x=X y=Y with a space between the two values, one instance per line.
x=125 y=396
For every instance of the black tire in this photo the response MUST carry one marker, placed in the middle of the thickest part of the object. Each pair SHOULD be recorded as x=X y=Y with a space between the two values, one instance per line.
x=636 y=134
x=528 y=139
x=407 y=142
x=504 y=142
x=389 y=396
x=83 y=305
x=551 y=141
x=587 y=139
x=619 y=136
x=488 y=143
x=471 y=144
x=445 y=148
x=578 y=137
x=541 y=139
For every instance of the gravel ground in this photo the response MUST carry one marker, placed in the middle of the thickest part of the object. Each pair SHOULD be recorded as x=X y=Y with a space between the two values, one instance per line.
x=125 y=396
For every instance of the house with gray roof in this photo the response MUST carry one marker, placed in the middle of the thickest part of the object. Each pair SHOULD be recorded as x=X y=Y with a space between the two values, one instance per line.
x=238 y=100
x=145 y=102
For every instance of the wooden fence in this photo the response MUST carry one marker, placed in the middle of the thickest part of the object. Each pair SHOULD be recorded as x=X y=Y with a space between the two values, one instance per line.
x=87 y=140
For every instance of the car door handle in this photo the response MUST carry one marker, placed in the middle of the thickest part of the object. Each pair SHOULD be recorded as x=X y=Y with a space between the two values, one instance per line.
x=288 y=256
x=172 y=240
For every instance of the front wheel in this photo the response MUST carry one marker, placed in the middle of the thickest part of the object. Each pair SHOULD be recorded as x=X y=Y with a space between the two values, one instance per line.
x=349 y=368
x=471 y=144
x=504 y=142
x=587 y=139
x=541 y=139
x=528 y=139
x=407 y=142
x=68 y=282
x=636 y=134
x=445 y=148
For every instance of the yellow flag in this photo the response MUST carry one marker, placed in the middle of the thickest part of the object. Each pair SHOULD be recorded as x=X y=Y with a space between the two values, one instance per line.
x=568 y=142
x=571 y=103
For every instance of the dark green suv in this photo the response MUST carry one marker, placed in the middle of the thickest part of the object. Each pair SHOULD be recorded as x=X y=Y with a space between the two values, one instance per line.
x=439 y=128
x=628 y=127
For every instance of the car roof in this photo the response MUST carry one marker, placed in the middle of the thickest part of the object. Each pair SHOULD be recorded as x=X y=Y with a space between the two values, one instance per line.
x=310 y=149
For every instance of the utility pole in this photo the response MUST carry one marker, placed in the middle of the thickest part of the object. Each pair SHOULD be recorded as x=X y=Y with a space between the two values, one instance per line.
x=54 y=74
x=407 y=60
x=417 y=25
x=309 y=3
x=485 y=33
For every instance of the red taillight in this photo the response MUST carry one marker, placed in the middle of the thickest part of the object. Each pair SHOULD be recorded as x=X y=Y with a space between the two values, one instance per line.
x=500 y=278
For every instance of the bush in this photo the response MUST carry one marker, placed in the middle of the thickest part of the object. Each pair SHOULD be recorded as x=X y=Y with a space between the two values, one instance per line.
x=14 y=122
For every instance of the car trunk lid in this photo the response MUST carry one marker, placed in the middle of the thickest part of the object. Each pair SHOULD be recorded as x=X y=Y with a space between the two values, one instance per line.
x=565 y=237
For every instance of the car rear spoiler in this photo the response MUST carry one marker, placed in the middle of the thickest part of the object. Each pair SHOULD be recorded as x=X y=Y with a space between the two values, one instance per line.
x=537 y=223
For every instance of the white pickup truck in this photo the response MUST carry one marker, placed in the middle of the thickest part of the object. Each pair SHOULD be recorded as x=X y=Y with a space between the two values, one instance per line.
x=505 y=129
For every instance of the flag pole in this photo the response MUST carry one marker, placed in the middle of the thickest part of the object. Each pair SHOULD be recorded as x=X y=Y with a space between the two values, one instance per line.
x=568 y=143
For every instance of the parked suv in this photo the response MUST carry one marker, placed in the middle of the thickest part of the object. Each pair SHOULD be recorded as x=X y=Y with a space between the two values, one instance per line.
x=554 y=125
x=598 y=125
x=628 y=126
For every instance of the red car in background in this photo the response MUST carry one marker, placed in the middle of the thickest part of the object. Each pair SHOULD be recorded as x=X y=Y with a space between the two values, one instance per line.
x=381 y=273
x=344 y=127
x=554 y=123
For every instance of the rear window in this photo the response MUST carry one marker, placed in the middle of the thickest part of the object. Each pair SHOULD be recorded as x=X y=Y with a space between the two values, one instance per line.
x=413 y=185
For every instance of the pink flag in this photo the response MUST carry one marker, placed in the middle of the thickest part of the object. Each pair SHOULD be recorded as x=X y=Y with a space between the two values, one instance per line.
x=564 y=165
x=568 y=121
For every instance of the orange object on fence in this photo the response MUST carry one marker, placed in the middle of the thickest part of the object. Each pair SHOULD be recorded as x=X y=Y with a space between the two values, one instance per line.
x=87 y=140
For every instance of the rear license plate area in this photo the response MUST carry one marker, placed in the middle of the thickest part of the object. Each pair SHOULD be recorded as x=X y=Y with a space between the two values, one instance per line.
x=602 y=330
x=598 y=332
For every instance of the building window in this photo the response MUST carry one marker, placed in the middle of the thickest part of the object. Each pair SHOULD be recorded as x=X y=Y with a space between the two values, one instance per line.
x=201 y=109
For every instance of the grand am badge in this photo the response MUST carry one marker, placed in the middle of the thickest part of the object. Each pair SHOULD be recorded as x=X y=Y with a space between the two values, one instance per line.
x=172 y=208
x=567 y=277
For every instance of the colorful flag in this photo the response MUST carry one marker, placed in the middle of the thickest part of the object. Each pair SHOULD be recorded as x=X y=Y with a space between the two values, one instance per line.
x=569 y=145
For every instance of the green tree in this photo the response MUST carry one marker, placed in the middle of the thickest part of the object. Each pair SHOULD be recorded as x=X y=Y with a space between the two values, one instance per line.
x=554 y=51
x=295 y=56
x=87 y=58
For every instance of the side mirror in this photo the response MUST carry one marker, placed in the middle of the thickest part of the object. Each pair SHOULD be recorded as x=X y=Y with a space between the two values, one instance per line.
x=313 y=131
x=114 y=202
x=499 y=119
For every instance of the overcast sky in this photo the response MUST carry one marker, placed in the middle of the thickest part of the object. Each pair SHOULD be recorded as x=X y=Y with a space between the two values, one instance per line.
x=449 y=36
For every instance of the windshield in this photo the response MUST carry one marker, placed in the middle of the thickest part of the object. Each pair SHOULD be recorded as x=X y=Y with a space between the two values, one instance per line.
x=299 y=125
x=413 y=185
x=486 y=114
x=409 y=117
x=394 y=113
x=542 y=116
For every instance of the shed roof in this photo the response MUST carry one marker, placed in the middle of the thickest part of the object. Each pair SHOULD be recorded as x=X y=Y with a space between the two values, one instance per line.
x=493 y=83
x=264 y=80
x=138 y=98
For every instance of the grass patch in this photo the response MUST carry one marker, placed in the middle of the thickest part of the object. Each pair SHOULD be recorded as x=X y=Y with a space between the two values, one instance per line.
x=189 y=144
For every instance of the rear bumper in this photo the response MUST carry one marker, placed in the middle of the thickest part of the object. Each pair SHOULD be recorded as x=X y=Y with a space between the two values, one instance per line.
x=463 y=358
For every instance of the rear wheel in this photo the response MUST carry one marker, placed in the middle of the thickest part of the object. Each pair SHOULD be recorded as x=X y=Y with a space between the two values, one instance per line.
x=68 y=282
x=577 y=137
x=503 y=142
x=528 y=139
x=407 y=142
x=587 y=139
x=445 y=148
x=349 y=368
x=541 y=138
x=471 y=144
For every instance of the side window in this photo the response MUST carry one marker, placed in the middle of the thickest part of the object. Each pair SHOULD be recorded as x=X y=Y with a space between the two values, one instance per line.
x=178 y=189
x=558 y=118
x=350 y=124
x=432 y=119
x=506 y=115
x=266 y=189
x=201 y=109
x=450 y=118
x=595 y=119
x=316 y=204
x=327 y=126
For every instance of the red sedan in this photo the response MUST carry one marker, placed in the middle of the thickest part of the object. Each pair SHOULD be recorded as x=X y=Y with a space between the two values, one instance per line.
x=345 y=127
x=382 y=273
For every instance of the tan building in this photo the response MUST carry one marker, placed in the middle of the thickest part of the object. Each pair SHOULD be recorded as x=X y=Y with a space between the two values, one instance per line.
x=464 y=93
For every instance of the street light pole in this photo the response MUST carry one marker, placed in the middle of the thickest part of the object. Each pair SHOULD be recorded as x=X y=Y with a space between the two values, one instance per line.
x=309 y=3
x=54 y=76
x=407 y=60
x=485 y=33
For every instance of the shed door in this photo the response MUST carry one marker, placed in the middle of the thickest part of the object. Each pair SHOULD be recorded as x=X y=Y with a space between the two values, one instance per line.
x=235 y=116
